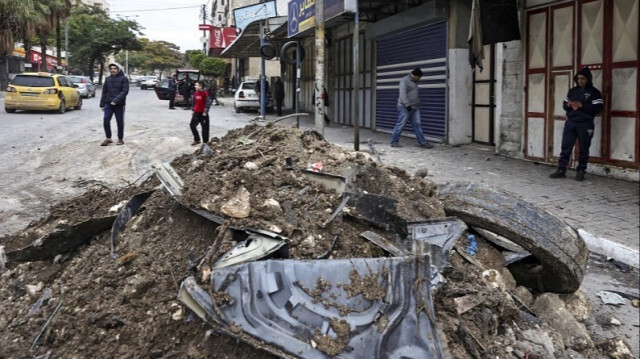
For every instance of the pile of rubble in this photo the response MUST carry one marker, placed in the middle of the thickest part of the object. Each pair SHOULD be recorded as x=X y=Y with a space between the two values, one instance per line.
x=271 y=241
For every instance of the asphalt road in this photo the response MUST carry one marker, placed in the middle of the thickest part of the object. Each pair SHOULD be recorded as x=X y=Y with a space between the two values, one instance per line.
x=46 y=158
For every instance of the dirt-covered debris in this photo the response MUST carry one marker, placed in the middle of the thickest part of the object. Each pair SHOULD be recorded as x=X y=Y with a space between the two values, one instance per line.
x=127 y=307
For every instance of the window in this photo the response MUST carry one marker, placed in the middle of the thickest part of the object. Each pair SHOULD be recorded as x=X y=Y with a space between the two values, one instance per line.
x=33 y=81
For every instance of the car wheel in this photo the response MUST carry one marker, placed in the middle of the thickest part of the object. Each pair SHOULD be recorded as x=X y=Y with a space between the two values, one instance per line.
x=79 y=104
x=142 y=87
x=238 y=109
x=10 y=110
x=94 y=94
x=62 y=107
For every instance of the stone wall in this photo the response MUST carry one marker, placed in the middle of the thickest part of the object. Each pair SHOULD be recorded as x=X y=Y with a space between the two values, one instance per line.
x=510 y=98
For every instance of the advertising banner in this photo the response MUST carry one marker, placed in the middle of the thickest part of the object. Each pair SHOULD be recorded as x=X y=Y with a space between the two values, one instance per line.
x=248 y=14
x=222 y=37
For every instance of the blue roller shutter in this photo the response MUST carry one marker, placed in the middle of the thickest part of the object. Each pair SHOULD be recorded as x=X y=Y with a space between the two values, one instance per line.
x=397 y=55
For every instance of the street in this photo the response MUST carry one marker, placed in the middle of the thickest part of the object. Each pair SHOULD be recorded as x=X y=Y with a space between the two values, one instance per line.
x=46 y=158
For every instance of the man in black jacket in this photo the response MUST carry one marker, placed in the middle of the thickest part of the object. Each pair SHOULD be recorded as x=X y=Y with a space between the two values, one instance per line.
x=582 y=104
x=113 y=101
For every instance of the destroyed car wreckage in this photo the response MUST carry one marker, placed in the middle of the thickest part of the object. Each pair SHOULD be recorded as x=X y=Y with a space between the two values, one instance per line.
x=358 y=277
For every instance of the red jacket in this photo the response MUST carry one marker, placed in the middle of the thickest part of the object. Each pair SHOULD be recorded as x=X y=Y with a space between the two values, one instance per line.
x=201 y=102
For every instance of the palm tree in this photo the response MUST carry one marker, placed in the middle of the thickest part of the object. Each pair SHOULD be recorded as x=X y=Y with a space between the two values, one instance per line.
x=18 y=19
x=54 y=10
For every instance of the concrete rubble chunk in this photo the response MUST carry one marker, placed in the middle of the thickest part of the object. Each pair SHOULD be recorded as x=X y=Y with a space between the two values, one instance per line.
x=550 y=308
x=239 y=206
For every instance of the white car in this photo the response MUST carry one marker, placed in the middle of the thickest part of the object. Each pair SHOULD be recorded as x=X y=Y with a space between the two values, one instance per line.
x=85 y=87
x=149 y=83
x=247 y=98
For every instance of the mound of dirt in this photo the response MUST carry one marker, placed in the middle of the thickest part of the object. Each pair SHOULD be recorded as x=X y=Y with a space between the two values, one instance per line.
x=127 y=307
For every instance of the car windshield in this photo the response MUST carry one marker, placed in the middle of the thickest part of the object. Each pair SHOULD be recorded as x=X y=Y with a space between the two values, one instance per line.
x=248 y=85
x=33 y=81
x=194 y=76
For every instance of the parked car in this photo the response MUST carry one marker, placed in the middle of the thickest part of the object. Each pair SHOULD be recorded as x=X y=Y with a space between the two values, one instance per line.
x=41 y=91
x=162 y=88
x=148 y=83
x=85 y=87
x=247 y=98
x=140 y=79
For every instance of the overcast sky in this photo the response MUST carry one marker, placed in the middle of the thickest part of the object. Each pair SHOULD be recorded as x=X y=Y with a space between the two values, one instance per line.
x=175 y=21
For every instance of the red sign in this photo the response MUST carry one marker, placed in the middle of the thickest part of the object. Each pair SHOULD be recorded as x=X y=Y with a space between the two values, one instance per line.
x=36 y=57
x=222 y=37
x=204 y=27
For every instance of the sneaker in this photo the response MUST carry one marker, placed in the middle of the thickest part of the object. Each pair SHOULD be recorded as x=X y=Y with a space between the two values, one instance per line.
x=580 y=175
x=558 y=174
x=106 y=142
x=120 y=143
x=395 y=144
x=195 y=143
x=426 y=145
x=172 y=108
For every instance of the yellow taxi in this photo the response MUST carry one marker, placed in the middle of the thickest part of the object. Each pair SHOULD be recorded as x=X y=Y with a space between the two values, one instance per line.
x=41 y=91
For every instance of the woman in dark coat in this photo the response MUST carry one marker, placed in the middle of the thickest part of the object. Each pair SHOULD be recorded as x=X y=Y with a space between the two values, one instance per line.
x=278 y=94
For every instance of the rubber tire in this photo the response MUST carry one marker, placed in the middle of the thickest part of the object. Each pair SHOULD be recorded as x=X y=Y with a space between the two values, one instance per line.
x=268 y=51
x=561 y=252
x=62 y=109
x=94 y=94
x=238 y=109
x=143 y=87
x=79 y=104
x=10 y=110
x=285 y=48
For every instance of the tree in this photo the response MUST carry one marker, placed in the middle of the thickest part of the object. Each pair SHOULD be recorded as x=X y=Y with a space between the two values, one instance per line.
x=53 y=11
x=18 y=21
x=93 y=36
x=208 y=66
x=161 y=55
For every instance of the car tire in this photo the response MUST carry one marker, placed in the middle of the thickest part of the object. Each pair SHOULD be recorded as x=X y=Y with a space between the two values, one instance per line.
x=562 y=254
x=143 y=87
x=79 y=104
x=238 y=109
x=10 y=110
x=62 y=109
x=94 y=94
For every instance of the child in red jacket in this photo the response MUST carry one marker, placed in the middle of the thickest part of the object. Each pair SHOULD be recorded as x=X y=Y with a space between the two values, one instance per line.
x=200 y=114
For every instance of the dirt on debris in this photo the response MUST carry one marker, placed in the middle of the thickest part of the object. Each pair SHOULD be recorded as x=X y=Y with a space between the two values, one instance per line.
x=128 y=307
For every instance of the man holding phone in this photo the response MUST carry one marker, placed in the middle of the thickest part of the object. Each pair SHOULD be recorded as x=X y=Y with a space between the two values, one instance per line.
x=582 y=104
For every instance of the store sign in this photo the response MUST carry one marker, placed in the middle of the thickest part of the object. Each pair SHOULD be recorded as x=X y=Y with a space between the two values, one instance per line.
x=302 y=13
x=248 y=14
x=222 y=37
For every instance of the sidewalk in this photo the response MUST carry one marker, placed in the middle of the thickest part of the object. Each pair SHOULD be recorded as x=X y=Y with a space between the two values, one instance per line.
x=605 y=211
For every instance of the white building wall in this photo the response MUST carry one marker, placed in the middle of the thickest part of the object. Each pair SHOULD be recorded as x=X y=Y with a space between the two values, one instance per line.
x=509 y=98
x=460 y=85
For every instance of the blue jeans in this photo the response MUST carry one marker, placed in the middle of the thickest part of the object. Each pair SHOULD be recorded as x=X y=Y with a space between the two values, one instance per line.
x=414 y=116
x=109 y=111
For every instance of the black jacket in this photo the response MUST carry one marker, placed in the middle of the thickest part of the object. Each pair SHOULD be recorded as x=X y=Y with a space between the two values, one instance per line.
x=278 y=90
x=115 y=89
x=590 y=97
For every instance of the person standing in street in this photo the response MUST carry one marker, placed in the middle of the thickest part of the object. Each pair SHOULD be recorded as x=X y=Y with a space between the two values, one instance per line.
x=408 y=109
x=172 y=90
x=582 y=104
x=278 y=94
x=113 y=101
x=200 y=114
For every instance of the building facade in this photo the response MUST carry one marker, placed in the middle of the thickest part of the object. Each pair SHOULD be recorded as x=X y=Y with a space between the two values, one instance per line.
x=514 y=104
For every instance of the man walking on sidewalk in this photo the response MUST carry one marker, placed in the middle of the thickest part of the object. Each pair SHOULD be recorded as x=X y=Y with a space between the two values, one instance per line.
x=408 y=109
x=582 y=103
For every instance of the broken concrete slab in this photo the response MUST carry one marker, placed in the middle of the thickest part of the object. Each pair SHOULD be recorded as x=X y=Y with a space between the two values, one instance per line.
x=552 y=310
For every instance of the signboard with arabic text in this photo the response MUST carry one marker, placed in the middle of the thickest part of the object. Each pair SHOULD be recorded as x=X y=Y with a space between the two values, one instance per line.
x=248 y=14
x=302 y=13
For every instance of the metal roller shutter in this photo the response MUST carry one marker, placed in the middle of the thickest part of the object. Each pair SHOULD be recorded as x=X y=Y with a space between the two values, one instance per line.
x=397 y=55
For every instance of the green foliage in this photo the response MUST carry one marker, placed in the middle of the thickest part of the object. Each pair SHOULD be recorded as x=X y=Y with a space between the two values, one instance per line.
x=208 y=66
x=93 y=36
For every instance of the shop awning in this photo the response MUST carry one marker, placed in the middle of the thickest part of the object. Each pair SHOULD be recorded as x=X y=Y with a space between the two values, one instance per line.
x=247 y=44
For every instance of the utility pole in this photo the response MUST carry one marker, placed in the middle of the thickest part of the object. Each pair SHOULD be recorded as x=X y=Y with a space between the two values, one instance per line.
x=204 y=32
x=356 y=81
x=319 y=85
x=66 y=47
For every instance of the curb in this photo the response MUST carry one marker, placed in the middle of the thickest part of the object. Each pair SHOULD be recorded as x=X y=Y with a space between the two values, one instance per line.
x=609 y=248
